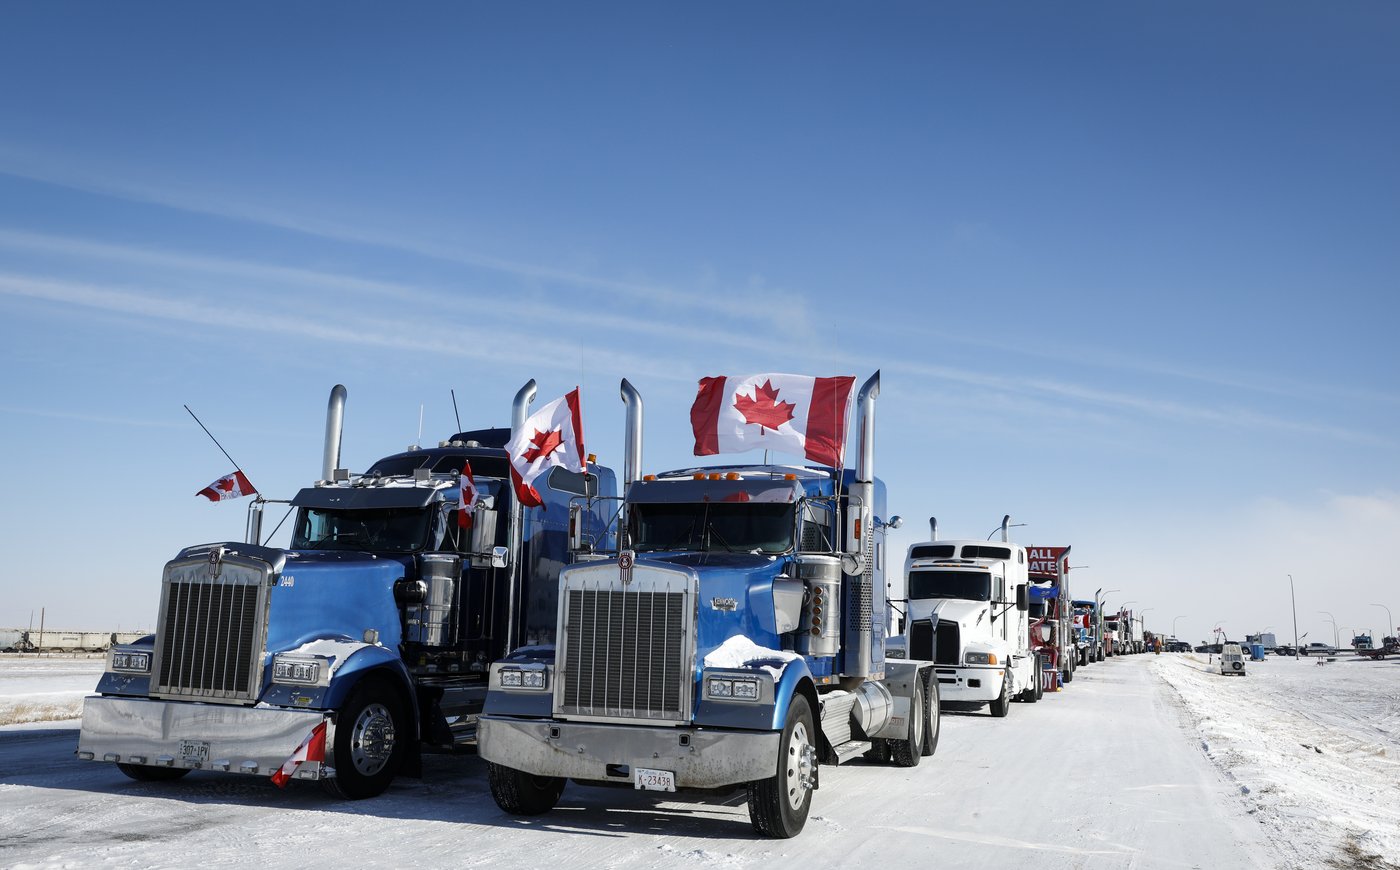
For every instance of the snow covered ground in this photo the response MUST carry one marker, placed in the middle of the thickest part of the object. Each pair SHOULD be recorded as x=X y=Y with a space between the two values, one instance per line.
x=1313 y=749
x=1109 y=773
x=44 y=688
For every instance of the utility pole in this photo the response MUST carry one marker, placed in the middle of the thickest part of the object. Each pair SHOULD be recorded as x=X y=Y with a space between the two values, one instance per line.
x=1294 y=599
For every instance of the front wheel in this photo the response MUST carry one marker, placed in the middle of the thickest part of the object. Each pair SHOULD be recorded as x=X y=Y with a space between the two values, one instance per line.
x=370 y=740
x=523 y=794
x=778 y=805
x=147 y=773
x=908 y=751
x=1002 y=705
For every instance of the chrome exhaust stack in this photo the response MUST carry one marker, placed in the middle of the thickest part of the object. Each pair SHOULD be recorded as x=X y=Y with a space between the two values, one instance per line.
x=864 y=606
x=335 y=421
x=1006 y=529
x=933 y=528
x=865 y=405
x=632 y=450
x=519 y=413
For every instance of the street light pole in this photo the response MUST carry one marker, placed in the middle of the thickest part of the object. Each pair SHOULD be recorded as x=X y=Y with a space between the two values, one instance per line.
x=1294 y=599
x=1332 y=619
x=1391 y=629
x=1174 y=619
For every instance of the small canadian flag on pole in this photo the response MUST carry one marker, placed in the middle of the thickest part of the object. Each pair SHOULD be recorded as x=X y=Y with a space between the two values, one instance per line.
x=796 y=414
x=313 y=748
x=466 y=501
x=552 y=436
x=233 y=485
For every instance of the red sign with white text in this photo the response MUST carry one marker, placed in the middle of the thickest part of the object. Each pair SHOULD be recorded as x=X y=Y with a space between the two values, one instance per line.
x=1042 y=560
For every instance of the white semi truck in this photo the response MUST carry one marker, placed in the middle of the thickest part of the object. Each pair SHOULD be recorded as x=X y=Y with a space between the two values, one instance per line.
x=968 y=606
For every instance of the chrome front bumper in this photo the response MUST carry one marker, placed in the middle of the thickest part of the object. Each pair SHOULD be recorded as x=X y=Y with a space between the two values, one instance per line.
x=184 y=734
x=700 y=758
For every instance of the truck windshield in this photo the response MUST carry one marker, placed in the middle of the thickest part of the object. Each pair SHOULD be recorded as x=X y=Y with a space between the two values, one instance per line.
x=732 y=528
x=393 y=530
x=968 y=585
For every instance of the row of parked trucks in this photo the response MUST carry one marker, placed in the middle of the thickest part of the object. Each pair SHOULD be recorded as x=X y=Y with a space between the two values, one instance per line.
x=706 y=628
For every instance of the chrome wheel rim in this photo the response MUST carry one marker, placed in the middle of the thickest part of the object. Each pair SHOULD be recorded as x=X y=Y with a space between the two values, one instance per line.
x=372 y=739
x=799 y=765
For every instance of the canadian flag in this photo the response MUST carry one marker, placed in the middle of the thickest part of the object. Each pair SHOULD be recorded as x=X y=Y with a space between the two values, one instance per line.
x=313 y=748
x=552 y=436
x=466 y=501
x=234 y=485
x=792 y=413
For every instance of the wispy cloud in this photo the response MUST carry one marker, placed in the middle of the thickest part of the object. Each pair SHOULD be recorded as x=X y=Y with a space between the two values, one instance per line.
x=1116 y=362
x=96 y=419
x=490 y=344
x=436 y=298
x=260 y=210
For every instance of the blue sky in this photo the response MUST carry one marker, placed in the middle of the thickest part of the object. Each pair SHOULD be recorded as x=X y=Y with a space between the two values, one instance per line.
x=1129 y=271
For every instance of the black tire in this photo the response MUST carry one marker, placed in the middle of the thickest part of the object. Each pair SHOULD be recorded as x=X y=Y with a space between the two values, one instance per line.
x=147 y=773
x=1100 y=658
x=778 y=805
x=1067 y=673
x=935 y=718
x=1002 y=705
x=1083 y=657
x=371 y=739
x=908 y=751
x=879 y=751
x=523 y=794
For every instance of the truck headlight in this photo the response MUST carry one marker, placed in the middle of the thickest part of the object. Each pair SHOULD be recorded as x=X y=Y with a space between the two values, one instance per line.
x=523 y=678
x=979 y=658
x=732 y=688
x=129 y=662
x=297 y=671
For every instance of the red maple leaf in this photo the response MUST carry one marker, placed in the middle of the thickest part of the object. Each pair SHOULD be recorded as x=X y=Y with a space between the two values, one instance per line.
x=543 y=444
x=764 y=410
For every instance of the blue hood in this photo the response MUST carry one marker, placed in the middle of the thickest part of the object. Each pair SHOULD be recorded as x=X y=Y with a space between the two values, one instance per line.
x=736 y=596
x=342 y=594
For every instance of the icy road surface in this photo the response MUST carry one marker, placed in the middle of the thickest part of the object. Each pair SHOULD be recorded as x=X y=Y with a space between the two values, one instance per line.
x=1109 y=773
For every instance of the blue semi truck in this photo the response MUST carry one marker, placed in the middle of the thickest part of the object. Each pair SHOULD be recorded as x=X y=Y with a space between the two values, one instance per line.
x=378 y=622
x=736 y=642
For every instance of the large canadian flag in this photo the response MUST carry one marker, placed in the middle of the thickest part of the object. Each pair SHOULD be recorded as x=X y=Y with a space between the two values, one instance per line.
x=233 y=485
x=796 y=414
x=313 y=748
x=552 y=436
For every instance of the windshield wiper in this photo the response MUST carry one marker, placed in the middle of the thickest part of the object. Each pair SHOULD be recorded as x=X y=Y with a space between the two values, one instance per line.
x=714 y=533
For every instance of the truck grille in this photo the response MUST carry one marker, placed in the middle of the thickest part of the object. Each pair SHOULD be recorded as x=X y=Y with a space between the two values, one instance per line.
x=626 y=651
x=948 y=643
x=209 y=641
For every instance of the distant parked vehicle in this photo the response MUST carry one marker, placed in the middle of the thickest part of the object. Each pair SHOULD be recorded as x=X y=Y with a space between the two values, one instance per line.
x=1232 y=660
x=1319 y=649
x=1283 y=650
x=1178 y=646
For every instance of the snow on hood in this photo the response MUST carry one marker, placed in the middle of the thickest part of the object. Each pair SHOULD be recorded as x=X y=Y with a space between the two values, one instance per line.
x=740 y=652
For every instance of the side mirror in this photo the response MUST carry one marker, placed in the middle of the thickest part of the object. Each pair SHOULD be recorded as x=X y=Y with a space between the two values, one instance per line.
x=500 y=557
x=1023 y=598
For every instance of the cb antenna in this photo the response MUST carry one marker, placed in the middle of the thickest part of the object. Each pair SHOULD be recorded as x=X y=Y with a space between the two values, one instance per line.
x=454 y=410
x=212 y=438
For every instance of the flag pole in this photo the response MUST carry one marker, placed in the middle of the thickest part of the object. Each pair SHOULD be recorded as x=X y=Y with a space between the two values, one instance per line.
x=212 y=438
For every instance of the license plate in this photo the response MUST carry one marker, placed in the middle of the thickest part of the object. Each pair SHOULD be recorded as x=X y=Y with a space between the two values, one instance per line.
x=194 y=750
x=654 y=780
